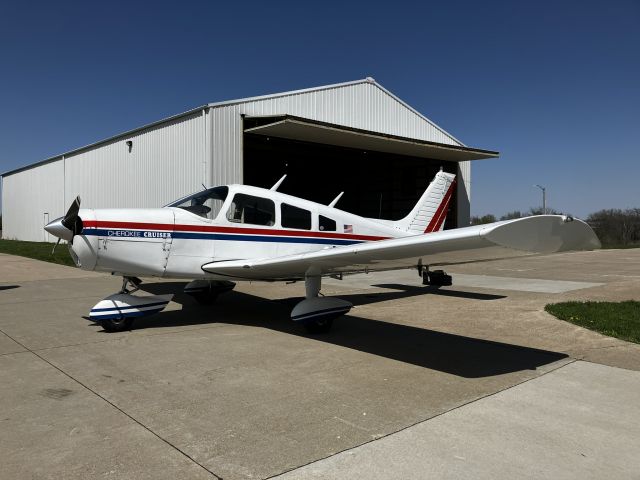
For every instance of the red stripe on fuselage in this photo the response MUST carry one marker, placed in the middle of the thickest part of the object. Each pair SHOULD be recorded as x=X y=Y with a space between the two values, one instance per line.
x=438 y=218
x=221 y=229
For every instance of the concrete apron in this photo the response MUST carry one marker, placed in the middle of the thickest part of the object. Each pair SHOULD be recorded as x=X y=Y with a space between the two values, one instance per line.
x=238 y=391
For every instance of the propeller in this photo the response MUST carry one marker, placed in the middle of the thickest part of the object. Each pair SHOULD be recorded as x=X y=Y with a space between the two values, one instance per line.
x=67 y=227
x=71 y=220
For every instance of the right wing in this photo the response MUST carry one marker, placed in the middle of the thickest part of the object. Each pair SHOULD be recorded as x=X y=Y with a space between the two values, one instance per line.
x=539 y=234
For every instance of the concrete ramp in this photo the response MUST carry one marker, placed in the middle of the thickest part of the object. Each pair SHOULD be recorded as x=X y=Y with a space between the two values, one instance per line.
x=520 y=284
x=579 y=421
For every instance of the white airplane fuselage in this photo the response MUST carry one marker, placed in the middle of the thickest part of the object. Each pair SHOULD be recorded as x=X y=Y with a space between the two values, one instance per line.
x=173 y=242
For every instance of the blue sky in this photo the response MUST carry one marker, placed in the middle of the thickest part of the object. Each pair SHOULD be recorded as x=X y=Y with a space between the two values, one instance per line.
x=554 y=86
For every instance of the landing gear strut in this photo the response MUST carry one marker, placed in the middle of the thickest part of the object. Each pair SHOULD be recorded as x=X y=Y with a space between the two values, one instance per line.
x=135 y=284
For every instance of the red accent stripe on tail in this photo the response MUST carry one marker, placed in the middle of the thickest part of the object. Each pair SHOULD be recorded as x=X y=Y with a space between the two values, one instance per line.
x=438 y=218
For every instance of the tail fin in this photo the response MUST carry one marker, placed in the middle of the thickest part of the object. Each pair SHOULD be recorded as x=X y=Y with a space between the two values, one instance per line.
x=431 y=210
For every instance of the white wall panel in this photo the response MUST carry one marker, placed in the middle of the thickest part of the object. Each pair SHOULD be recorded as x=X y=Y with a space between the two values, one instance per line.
x=27 y=196
x=362 y=105
x=464 y=194
x=166 y=162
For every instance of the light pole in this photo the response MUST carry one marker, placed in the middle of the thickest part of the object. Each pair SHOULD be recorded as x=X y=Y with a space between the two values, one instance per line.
x=544 y=198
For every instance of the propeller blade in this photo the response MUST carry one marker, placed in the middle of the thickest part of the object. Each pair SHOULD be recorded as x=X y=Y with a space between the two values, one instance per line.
x=71 y=219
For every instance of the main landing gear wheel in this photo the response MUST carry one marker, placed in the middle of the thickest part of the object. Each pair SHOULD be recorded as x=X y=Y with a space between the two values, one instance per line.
x=206 y=298
x=206 y=292
x=117 y=324
x=319 y=326
x=436 y=278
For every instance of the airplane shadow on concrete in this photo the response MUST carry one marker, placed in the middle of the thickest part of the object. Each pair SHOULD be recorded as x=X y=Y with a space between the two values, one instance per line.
x=8 y=287
x=455 y=354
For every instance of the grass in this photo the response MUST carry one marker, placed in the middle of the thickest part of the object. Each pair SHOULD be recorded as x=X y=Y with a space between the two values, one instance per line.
x=37 y=250
x=615 y=319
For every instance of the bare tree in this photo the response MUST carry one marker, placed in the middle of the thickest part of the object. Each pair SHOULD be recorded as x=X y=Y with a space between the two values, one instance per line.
x=617 y=228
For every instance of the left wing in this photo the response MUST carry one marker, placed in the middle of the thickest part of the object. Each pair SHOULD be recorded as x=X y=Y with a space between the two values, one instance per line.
x=539 y=234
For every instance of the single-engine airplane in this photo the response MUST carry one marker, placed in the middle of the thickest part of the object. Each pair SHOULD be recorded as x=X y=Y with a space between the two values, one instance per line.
x=239 y=232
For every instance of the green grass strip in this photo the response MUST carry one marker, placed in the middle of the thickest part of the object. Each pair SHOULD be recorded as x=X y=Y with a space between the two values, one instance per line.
x=615 y=319
x=37 y=250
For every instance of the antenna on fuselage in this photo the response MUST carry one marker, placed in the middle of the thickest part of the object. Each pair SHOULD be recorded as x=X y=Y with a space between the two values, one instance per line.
x=335 y=200
x=278 y=183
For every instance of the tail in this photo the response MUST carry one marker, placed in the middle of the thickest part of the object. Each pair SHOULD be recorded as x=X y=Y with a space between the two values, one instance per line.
x=431 y=210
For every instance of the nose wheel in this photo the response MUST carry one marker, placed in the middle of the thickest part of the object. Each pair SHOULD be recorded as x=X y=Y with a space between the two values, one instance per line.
x=117 y=312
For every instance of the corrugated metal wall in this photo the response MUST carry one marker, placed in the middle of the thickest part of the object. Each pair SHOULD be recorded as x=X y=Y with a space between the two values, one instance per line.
x=29 y=199
x=164 y=163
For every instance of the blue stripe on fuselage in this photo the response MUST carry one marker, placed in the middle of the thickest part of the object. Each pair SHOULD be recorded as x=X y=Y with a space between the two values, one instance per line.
x=100 y=232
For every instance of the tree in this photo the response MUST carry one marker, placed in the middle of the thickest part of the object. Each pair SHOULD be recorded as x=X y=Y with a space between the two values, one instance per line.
x=615 y=227
x=512 y=215
x=483 y=219
x=538 y=211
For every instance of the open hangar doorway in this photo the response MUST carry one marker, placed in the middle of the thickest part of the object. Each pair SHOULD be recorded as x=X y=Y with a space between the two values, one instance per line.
x=382 y=176
x=375 y=184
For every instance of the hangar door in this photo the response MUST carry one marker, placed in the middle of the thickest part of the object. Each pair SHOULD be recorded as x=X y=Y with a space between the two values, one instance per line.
x=382 y=176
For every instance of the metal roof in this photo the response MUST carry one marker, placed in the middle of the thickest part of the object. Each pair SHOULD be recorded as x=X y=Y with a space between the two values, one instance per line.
x=223 y=104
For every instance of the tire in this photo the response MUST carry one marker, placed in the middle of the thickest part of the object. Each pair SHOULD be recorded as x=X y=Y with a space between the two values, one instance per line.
x=116 y=324
x=319 y=326
x=206 y=298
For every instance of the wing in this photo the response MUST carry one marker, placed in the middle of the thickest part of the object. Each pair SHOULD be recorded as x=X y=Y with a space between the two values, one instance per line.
x=539 y=234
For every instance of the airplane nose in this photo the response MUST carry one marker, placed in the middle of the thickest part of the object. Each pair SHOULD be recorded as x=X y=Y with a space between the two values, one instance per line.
x=57 y=229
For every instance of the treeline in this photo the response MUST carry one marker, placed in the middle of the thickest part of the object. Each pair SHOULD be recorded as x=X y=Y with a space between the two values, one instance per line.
x=615 y=228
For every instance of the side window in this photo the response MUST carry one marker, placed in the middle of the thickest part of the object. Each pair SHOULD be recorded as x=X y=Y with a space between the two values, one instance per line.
x=326 y=224
x=253 y=210
x=294 y=217
x=206 y=204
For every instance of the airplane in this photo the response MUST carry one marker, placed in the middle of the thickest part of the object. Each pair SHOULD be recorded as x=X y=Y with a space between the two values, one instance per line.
x=231 y=233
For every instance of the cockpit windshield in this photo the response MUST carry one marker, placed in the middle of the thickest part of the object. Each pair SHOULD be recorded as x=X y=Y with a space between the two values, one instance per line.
x=206 y=203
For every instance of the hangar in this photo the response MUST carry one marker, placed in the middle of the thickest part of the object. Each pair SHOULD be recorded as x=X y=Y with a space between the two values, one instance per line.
x=355 y=137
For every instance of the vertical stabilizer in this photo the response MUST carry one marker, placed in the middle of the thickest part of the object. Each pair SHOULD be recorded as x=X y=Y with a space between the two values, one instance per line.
x=431 y=210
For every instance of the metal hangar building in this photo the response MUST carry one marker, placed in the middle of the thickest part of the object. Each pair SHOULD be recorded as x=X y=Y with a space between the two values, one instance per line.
x=355 y=137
